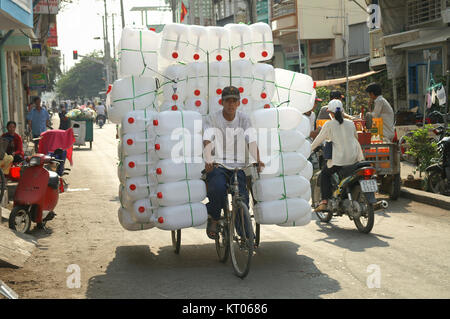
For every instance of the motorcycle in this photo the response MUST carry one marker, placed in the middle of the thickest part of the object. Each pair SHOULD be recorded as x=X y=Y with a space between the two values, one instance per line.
x=438 y=174
x=101 y=119
x=354 y=189
x=37 y=192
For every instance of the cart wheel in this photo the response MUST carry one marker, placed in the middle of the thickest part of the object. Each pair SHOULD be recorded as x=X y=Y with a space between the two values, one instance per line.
x=90 y=145
x=176 y=240
x=396 y=184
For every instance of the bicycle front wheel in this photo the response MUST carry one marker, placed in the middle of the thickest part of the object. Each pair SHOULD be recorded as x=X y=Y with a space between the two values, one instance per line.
x=241 y=239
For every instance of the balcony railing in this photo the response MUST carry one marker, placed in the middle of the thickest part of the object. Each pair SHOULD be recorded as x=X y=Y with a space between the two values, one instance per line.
x=281 y=8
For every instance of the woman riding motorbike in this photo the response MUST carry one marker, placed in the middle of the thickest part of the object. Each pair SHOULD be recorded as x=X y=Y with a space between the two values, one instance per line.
x=346 y=148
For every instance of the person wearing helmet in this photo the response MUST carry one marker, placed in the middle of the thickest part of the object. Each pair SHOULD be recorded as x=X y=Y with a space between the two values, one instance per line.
x=226 y=134
x=382 y=108
x=346 y=148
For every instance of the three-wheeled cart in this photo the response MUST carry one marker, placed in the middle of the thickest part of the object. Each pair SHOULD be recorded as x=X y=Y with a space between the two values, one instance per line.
x=83 y=131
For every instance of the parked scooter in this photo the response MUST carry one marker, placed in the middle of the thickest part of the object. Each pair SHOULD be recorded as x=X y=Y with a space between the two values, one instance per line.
x=37 y=192
x=354 y=189
x=438 y=174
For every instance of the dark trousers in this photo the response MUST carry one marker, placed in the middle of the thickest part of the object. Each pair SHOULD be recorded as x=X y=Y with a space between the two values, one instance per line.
x=326 y=188
x=217 y=189
x=36 y=143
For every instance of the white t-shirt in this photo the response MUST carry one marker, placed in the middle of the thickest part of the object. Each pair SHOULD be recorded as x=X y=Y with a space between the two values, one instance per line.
x=383 y=109
x=312 y=121
x=230 y=138
x=346 y=148
x=100 y=109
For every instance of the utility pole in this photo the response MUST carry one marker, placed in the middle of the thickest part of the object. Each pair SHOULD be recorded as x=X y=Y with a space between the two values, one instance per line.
x=122 y=13
x=107 y=50
x=299 y=41
x=114 y=49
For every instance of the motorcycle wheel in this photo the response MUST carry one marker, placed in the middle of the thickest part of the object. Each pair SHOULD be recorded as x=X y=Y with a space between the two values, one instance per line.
x=20 y=219
x=435 y=182
x=315 y=197
x=365 y=222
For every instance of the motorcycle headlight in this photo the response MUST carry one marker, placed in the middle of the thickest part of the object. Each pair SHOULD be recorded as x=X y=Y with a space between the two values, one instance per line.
x=35 y=161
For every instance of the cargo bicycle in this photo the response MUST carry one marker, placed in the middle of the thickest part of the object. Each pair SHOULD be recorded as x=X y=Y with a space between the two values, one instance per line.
x=233 y=239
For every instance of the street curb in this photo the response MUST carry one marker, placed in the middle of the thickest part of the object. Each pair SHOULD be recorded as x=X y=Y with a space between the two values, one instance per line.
x=432 y=199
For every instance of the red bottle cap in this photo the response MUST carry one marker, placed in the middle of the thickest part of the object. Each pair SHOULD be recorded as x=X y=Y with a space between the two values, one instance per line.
x=159 y=171
x=174 y=108
x=131 y=164
x=157 y=147
x=141 y=209
x=267 y=106
x=130 y=141
x=160 y=195
x=160 y=220
x=264 y=54
x=196 y=56
x=130 y=120
x=219 y=58
x=155 y=122
x=244 y=101
x=174 y=97
x=174 y=55
x=219 y=91
x=242 y=55
x=132 y=187
x=314 y=85
x=241 y=89
x=263 y=95
x=220 y=101
x=198 y=103
x=197 y=92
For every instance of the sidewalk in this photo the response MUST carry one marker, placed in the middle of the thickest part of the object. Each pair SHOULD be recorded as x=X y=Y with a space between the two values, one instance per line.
x=420 y=196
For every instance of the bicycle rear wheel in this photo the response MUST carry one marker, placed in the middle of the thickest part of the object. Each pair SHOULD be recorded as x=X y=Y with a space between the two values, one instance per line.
x=241 y=239
x=222 y=244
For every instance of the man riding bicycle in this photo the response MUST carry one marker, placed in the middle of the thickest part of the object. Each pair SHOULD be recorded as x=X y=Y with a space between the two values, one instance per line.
x=226 y=134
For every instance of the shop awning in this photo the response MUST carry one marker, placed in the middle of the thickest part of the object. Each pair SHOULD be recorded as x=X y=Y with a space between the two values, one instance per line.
x=344 y=80
x=435 y=37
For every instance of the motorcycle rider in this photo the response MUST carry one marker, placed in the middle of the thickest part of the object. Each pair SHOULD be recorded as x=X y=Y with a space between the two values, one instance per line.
x=346 y=148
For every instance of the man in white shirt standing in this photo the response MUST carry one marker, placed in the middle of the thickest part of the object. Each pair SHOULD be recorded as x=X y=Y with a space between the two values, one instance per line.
x=382 y=108
x=226 y=132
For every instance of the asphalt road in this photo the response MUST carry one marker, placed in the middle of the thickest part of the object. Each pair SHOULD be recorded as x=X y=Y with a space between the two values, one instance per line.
x=407 y=254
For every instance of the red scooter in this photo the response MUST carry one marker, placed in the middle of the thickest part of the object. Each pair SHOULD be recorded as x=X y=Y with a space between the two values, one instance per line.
x=37 y=193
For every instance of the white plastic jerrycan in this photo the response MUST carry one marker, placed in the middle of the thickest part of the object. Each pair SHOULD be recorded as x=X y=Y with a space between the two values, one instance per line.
x=262 y=41
x=183 y=216
x=281 y=211
x=297 y=88
x=284 y=118
x=219 y=78
x=125 y=200
x=166 y=122
x=137 y=121
x=179 y=193
x=179 y=145
x=304 y=127
x=140 y=165
x=174 y=83
x=307 y=172
x=273 y=141
x=128 y=223
x=196 y=104
x=143 y=211
x=174 y=170
x=305 y=149
x=174 y=41
x=198 y=44
x=285 y=163
x=219 y=44
x=302 y=221
x=242 y=76
x=138 y=143
x=129 y=94
x=139 y=187
x=263 y=87
x=269 y=189
x=241 y=45
x=139 y=52
x=197 y=80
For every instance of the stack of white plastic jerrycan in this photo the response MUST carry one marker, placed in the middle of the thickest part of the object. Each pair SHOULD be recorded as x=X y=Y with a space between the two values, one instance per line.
x=180 y=191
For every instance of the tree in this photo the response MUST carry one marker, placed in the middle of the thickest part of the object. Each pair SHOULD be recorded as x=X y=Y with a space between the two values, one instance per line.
x=54 y=71
x=84 y=80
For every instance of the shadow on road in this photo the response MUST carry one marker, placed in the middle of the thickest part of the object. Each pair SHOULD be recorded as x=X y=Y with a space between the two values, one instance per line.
x=278 y=270
x=350 y=239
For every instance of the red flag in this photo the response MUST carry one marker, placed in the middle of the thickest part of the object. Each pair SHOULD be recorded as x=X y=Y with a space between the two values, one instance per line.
x=183 y=11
